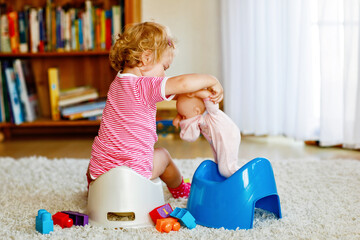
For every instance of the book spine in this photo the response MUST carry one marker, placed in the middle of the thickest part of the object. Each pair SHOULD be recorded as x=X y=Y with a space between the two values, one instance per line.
x=13 y=31
x=108 y=26
x=5 y=38
x=42 y=34
x=14 y=97
x=90 y=24
x=53 y=75
x=34 y=30
x=103 y=29
x=23 y=33
x=116 y=21
x=67 y=31
x=80 y=32
x=23 y=92
x=2 y=101
x=6 y=98
x=82 y=107
x=48 y=14
x=74 y=36
x=86 y=114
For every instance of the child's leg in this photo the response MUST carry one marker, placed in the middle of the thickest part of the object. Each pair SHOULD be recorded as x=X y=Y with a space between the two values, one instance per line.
x=165 y=168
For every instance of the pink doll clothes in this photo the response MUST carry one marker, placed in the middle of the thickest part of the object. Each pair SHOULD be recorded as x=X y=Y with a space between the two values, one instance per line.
x=220 y=131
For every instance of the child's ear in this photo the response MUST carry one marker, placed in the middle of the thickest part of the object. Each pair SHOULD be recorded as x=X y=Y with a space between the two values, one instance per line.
x=197 y=111
x=147 y=57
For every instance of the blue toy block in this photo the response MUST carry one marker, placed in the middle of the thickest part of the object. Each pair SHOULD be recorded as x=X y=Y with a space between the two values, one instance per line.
x=43 y=222
x=184 y=217
x=216 y=201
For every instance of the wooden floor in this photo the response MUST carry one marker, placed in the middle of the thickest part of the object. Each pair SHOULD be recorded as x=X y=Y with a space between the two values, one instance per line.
x=250 y=147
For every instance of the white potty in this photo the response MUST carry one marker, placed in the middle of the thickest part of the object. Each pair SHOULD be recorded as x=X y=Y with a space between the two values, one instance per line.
x=123 y=192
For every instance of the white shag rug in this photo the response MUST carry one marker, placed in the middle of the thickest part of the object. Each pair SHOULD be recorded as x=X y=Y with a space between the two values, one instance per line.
x=320 y=199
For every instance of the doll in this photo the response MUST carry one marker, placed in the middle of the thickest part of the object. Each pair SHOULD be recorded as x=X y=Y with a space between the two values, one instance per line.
x=197 y=114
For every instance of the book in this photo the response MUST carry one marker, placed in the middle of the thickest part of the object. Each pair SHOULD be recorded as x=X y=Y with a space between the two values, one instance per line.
x=90 y=25
x=30 y=86
x=66 y=111
x=53 y=74
x=116 y=21
x=13 y=31
x=23 y=46
x=14 y=96
x=85 y=114
x=42 y=31
x=2 y=102
x=23 y=92
x=74 y=96
x=48 y=22
x=34 y=30
x=103 y=29
x=4 y=31
x=108 y=29
x=5 y=94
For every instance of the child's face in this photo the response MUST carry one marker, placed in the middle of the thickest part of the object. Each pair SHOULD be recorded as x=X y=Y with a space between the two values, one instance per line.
x=158 y=69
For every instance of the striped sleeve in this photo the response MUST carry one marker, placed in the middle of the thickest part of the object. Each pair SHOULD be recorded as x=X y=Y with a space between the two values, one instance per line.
x=152 y=89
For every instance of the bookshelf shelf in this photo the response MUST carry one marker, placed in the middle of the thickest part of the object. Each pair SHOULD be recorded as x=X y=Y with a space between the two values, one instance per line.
x=42 y=122
x=76 y=68
x=54 y=54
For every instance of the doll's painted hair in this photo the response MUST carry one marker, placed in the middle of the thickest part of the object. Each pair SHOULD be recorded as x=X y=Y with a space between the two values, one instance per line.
x=137 y=38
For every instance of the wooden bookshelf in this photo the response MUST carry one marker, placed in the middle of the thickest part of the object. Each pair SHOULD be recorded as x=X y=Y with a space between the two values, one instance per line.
x=76 y=68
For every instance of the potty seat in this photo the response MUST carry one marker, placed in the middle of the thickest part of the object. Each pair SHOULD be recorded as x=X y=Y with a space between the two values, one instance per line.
x=216 y=201
x=122 y=198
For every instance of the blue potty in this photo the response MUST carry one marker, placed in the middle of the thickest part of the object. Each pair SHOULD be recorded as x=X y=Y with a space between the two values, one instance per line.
x=217 y=202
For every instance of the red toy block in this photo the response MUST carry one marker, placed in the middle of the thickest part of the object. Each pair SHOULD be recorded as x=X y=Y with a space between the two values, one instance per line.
x=167 y=224
x=62 y=219
x=161 y=212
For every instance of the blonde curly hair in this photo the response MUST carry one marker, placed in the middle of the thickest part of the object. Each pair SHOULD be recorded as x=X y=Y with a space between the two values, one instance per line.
x=136 y=39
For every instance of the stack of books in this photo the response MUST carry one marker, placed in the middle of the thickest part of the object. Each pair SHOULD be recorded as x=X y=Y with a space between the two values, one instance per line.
x=59 y=28
x=18 y=97
x=81 y=102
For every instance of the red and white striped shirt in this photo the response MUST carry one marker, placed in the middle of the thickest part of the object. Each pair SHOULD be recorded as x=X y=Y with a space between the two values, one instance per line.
x=127 y=131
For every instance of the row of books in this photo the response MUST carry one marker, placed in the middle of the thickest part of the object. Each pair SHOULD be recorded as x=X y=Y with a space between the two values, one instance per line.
x=59 y=28
x=81 y=102
x=18 y=98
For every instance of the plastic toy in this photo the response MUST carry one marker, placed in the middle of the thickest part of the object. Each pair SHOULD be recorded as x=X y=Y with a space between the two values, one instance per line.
x=79 y=219
x=167 y=224
x=62 y=219
x=184 y=217
x=218 y=202
x=165 y=127
x=43 y=222
x=161 y=212
x=123 y=192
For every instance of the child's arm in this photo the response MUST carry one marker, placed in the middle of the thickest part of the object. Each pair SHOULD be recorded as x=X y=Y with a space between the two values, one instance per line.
x=203 y=93
x=193 y=82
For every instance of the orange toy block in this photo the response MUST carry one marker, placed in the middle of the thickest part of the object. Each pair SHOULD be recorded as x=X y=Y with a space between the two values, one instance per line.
x=167 y=224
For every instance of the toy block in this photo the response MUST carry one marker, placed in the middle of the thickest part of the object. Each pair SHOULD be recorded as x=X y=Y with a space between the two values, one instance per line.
x=161 y=212
x=43 y=222
x=184 y=217
x=79 y=219
x=62 y=219
x=167 y=224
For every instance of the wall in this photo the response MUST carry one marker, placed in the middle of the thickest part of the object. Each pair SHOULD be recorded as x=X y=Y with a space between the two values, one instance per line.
x=196 y=27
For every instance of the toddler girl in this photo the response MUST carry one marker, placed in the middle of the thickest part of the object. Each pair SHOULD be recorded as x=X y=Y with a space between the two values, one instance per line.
x=127 y=133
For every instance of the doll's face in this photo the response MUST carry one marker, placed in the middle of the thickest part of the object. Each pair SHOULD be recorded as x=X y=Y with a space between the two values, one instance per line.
x=189 y=107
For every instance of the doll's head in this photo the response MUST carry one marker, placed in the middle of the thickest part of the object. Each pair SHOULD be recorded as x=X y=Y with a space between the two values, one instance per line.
x=149 y=37
x=189 y=106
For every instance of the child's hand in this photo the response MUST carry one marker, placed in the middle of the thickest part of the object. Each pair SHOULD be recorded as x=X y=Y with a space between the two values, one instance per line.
x=176 y=121
x=217 y=93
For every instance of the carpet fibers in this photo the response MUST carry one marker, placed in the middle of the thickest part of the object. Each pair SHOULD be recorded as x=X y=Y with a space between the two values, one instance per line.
x=320 y=199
